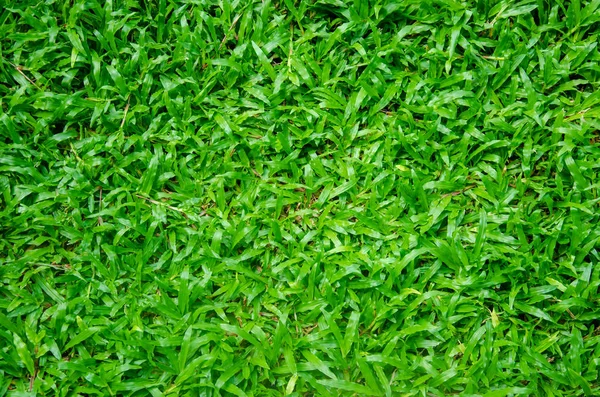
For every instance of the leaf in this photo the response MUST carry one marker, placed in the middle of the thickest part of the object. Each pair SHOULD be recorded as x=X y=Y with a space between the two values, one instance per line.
x=348 y=386
x=351 y=333
x=534 y=311
x=24 y=354
x=575 y=171
x=320 y=365
x=82 y=336
x=149 y=176
x=264 y=61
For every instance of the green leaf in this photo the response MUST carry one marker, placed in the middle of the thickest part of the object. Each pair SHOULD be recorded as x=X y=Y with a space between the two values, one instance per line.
x=82 y=336
x=264 y=61
x=348 y=386
x=351 y=333
x=24 y=354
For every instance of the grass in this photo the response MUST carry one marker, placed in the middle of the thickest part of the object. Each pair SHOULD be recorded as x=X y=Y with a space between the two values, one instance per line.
x=267 y=198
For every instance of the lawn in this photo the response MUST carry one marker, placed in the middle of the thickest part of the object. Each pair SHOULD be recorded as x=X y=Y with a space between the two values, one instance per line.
x=299 y=197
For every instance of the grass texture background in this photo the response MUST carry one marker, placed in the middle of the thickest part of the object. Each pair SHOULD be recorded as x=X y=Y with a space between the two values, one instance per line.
x=299 y=197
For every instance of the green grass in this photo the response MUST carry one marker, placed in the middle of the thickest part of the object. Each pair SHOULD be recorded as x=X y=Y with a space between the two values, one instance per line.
x=299 y=197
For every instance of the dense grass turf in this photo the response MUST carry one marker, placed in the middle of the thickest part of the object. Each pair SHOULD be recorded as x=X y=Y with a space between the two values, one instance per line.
x=212 y=198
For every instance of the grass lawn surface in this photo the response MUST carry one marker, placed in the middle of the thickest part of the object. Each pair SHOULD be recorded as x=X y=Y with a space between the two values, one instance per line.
x=299 y=197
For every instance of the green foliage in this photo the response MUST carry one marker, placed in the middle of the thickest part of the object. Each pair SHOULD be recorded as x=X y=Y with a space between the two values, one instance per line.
x=265 y=198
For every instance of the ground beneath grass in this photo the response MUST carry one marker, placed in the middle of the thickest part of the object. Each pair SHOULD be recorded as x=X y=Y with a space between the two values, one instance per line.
x=304 y=198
